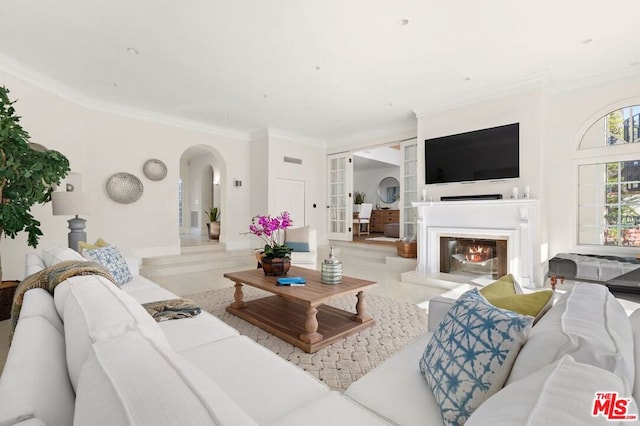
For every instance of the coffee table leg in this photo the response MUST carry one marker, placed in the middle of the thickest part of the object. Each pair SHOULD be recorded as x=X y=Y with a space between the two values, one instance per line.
x=361 y=308
x=311 y=334
x=238 y=296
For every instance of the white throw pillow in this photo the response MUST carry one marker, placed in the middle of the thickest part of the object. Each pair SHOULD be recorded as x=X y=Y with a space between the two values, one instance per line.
x=54 y=255
x=562 y=393
x=298 y=238
x=469 y=356
x=587 y=323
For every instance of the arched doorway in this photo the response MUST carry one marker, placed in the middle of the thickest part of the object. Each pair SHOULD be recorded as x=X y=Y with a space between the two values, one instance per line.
x=201 y=187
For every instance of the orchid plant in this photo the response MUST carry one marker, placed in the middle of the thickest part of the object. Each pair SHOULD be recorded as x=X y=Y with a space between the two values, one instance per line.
x=268 y=229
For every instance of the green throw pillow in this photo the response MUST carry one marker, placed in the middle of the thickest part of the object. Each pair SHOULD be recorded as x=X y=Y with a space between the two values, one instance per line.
x=504 y=286
x=532 y=304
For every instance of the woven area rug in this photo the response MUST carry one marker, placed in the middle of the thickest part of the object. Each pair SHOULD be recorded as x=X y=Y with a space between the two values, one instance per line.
x=398 y=323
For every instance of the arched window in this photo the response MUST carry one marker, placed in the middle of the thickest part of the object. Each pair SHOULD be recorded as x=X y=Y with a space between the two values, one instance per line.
x=609 y=191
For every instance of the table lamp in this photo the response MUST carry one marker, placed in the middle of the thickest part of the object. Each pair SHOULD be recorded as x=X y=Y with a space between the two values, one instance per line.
x=70 y=203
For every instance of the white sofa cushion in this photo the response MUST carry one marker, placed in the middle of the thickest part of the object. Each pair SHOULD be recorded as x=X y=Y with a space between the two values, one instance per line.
x=587 y=323
x=38 y=302
x=635 y=326
x=129 y=380
x=397 y=390
x=562 y=393
x=53 y=255
x=332 y=409
x=469 y=356
x=96 y=310
x=35 y=381
x=33 y=263
x=187 y=333
x=259 y=381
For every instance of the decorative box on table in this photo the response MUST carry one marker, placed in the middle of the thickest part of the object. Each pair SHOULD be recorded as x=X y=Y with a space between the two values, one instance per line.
x=407 y=249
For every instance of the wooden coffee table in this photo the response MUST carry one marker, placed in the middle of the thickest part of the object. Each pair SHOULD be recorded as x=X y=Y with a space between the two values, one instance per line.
x=298 y=314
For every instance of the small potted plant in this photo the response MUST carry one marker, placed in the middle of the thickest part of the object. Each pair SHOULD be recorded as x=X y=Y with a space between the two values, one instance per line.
x=213 y=215
x=358 y=198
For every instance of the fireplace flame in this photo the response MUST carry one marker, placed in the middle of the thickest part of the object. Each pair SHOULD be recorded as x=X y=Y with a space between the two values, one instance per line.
x=478 y=253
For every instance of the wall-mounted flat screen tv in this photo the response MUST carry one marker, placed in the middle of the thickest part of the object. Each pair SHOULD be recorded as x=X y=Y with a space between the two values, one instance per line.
x=486 y=154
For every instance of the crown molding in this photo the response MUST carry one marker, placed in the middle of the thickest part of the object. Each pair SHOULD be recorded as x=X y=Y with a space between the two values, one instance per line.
x=557 y=90
x=493 y=91
x=378 y=136
x=297 y=138
x=31 y=76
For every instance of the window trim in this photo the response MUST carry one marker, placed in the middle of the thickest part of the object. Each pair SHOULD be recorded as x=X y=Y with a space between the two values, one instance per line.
x=599 y=155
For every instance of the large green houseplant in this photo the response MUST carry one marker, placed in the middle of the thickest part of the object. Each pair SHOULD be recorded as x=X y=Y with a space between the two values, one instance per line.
x=27 y=175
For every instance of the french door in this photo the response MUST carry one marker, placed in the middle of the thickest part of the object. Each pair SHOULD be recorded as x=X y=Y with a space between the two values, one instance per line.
x=340 y=219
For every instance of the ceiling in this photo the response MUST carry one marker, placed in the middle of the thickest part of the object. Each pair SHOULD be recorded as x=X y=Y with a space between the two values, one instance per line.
x=329 y=71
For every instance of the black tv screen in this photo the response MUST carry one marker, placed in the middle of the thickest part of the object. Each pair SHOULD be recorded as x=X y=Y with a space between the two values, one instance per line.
x=485 y=154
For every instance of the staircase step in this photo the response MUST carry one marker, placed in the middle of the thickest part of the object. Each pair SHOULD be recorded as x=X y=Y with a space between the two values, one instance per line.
x=197 y=261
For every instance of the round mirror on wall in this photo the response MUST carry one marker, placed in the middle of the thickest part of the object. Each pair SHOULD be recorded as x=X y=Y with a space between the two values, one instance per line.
x=389 y=189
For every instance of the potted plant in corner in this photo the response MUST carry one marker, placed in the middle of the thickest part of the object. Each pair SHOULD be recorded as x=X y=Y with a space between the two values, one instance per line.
x=358 y=199
x=213 y=215
x=27 y=175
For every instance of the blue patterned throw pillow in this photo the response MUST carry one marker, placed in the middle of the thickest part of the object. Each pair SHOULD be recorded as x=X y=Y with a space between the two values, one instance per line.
x=470 y=355
x=112 y=260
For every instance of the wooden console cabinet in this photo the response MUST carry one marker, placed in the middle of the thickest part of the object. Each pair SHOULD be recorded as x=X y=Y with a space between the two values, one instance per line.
x=379 y=218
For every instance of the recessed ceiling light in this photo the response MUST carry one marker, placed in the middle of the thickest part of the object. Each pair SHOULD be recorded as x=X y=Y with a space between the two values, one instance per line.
x=403 y=22
x=587 y=41
x=634 y=63
x=114 y=84
x=317 y=67
x=467 y=79
x=132 y=50
x=389 y=104
x=264 y=95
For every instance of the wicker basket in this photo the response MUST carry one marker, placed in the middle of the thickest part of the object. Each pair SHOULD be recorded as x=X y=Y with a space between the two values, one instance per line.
x=407 y=249
x=7 y=289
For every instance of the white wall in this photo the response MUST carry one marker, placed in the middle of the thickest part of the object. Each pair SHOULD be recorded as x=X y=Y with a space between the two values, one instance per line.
x=525 y=108
x=99 y=144
x=569 y=116
x=367 y=181
x=312 y=172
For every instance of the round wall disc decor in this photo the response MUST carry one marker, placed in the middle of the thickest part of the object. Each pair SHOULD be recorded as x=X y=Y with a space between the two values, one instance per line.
x=124 y=188
x=154 y=169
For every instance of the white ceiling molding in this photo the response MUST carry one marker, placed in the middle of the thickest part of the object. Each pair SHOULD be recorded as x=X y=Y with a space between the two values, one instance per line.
x=495 y=91
x=11 y=67
x=559 y=90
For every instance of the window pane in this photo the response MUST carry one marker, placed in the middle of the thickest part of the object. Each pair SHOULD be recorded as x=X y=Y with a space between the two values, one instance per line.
x=619 y=127
x=609 y=210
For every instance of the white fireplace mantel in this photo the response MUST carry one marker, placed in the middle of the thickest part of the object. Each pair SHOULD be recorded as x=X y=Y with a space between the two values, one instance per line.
x=514 y=219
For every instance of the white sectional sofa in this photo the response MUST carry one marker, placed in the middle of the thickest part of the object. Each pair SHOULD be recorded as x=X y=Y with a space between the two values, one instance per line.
x=91 y=355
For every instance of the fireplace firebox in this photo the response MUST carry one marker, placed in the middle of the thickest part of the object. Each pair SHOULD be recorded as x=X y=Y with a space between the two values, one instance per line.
x=478 y=257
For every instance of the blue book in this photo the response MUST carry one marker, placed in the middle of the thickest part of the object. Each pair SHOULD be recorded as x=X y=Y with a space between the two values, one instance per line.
x=291 y=281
